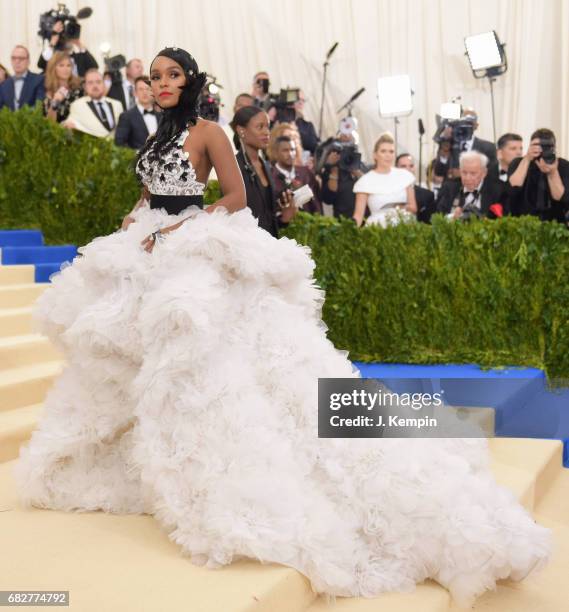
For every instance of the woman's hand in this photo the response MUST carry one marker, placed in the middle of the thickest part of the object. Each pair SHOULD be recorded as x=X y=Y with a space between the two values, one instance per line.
x=150 y=240
x=61 y=94
x=126 y=222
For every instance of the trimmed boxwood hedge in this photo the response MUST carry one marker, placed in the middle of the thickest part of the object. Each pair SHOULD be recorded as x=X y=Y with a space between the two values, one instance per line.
x=72 y=186
x=495 y=293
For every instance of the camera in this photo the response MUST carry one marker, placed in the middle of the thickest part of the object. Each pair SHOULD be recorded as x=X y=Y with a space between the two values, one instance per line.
x=71 y=26
x=462 y=130
x=350 y=157
x=547 y=150
x=113 y=66
x=264 y=83
x=284 y=104
x=209 y=102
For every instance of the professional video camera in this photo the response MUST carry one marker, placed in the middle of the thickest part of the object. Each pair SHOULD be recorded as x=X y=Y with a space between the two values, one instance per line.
x=284 y=101
x=350 y=157
x=456 y=132
x=210 y=101
x=71 y=26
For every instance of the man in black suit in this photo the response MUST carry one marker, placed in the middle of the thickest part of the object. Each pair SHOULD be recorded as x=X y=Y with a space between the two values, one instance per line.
x=425 y=197
x=141 y=121
x=474 y=193
x=122 y=89
x=24 y=88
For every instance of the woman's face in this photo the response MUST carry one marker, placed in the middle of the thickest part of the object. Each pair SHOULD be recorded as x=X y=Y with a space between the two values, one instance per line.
x=63 y=70
x=256 y=134
x=166 y=79
x=385 y=155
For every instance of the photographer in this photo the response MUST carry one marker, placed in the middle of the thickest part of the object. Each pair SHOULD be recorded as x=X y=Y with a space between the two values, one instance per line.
x=540 y=180
x=60 y=32
x=339 y=167
x=460 y=136
x=475 y=194
x=261 y=96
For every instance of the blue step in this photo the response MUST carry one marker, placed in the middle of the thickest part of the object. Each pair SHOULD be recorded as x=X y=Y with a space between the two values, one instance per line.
x=38 y=254
x=45 y=270
x=20 y=238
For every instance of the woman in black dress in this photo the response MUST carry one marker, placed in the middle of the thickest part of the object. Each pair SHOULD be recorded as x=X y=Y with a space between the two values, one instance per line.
x=251 y=127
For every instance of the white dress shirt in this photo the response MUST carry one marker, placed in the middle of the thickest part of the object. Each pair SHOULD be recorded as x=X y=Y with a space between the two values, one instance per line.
x=150 y=120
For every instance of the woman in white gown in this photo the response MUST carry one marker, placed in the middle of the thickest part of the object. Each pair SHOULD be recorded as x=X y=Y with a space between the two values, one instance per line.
x=386 y=190
x=190 y=393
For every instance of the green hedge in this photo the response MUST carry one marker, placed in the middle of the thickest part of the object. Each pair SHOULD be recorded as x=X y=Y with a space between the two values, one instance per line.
x=494 y=293
x=72 y=186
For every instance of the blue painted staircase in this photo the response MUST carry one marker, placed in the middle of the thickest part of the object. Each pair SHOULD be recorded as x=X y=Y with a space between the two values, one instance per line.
x=26 y=247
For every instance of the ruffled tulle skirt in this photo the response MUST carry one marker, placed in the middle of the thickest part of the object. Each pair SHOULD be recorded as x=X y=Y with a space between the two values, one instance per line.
x=190 y=393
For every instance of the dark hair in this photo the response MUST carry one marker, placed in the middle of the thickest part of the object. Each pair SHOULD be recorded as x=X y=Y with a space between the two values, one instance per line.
x=401 y=156
x=241 y=119
x=544 y=133
x=506 y=138
x=176 y=119
x=282 y=139
x=144 y=78
x=244 y=95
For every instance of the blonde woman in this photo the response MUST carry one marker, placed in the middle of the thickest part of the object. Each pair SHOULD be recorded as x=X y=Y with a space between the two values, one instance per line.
x=386 y=190
x=289 y=130
x=62 y=87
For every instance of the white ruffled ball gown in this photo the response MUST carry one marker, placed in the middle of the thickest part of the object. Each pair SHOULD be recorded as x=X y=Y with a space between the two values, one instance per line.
x=190 y=393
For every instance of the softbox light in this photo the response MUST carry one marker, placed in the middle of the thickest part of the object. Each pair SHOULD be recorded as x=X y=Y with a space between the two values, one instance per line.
x=395 y=96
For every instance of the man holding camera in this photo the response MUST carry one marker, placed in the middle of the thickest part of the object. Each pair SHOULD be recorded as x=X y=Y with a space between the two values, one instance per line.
x=460 y=135
x=540 y=180
x=65 y=37
x=339 y=166
x=475 y=194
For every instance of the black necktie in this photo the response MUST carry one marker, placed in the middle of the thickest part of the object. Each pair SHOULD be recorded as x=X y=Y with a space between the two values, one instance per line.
x=103 y=116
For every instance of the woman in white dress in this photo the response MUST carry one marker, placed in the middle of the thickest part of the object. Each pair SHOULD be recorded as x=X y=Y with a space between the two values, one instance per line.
x=386 y=190
x=193 y=343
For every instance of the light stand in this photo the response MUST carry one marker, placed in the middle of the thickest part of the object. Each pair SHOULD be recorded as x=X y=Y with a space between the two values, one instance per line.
x=487 y=57
x=324 y=76
x=421 y=134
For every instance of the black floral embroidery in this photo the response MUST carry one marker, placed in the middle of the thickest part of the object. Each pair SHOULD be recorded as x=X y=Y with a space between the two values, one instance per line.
x=171 y=174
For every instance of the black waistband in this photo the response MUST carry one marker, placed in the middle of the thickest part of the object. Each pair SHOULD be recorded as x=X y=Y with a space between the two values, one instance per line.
x=175 y=204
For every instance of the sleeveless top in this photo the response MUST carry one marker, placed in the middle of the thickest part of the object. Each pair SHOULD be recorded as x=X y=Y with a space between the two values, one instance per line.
x=170 y=179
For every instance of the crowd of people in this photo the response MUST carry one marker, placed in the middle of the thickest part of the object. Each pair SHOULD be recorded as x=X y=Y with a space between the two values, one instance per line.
x=287 y=168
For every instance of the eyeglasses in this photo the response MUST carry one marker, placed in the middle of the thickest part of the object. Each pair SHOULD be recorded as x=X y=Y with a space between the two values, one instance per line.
x=18 y=58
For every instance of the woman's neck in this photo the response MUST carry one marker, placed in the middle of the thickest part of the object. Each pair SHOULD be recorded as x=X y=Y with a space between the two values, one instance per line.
x=252 y=153
x=382 y=169
x=63 y=83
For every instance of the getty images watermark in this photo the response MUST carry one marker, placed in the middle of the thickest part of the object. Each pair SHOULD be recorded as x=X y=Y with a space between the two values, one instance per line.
x=366 y=408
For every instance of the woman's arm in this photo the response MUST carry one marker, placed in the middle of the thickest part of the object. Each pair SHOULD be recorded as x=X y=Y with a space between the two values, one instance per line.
x=411 y=200
x=230 y=180
x=360 y=208
x=144 y=198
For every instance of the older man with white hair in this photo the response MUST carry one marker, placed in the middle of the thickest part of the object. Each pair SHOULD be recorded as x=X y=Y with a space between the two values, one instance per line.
x=474 y=193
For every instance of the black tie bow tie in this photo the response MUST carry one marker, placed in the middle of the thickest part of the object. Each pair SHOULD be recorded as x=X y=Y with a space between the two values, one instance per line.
x=474 y=193
x=148 y=112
